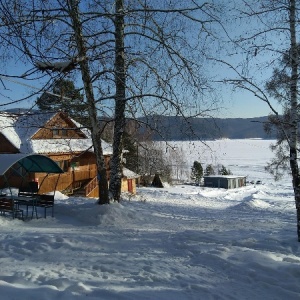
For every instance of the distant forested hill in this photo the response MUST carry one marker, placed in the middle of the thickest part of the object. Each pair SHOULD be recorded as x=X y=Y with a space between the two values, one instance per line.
x=176 y=128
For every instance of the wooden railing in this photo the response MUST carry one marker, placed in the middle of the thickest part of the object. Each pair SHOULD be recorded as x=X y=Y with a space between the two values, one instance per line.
x=91 y=186
x=69 y=190
x=67 y=180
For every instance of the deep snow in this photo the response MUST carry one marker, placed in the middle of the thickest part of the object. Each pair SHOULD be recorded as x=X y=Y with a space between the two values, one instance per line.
x=180 y=242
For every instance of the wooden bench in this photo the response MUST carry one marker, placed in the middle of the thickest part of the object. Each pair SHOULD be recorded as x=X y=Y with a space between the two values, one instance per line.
x=8 y=205
x=46 y=201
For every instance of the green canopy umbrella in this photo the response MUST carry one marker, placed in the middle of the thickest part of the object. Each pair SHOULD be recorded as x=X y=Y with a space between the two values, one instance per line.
x=28 y=162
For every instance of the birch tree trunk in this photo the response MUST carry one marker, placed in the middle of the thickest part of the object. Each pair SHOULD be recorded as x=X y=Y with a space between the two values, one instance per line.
x=120 y=103
x=91 y=103
x=294 y=112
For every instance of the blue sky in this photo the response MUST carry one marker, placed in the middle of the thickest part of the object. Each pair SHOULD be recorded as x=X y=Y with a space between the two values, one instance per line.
x=234 y=104
x=244 y=105
x=237 y=104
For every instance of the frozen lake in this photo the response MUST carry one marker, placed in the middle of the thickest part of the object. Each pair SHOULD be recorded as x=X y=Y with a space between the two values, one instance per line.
x=243 y=157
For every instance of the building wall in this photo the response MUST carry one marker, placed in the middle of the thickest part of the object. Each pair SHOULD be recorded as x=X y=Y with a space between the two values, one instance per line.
x=125 y=183
x=128 y=185
x=84 y=170
x=224 y=182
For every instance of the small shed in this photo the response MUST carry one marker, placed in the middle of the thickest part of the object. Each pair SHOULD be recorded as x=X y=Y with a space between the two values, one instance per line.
x=129 y=180
x=224 y=181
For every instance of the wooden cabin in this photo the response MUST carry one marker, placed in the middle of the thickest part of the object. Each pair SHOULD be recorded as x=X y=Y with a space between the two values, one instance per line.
x=60 y=138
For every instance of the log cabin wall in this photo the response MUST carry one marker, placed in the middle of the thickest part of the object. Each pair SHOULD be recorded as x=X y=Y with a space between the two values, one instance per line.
x=59 y=127
x=81 y=168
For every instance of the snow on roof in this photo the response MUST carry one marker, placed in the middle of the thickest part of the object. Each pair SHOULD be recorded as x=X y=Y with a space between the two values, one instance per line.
x=224 y=176
x=19 y=129
x=7 y=121
x=106 y=147
x=130 y=174
x=26 y=126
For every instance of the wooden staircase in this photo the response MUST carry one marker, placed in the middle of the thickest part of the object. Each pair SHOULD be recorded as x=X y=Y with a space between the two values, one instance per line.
x=76 y=189
x=92 y=188
x=85 y=188
x=88 y=188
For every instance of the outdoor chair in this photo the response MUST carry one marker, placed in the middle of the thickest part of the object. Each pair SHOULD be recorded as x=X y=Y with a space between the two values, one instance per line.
x=8 y=205
x=26 y=194
x=46 y=201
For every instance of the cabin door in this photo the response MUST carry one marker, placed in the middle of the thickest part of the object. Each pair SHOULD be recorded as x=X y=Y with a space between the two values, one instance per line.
x=130 y=187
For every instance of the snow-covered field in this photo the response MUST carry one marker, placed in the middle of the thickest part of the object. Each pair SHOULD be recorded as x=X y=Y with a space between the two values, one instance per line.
x=181 y=242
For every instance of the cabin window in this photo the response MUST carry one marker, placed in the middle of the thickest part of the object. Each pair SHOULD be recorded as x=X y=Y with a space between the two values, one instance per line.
x=63 y=164
x=55 y=132
x=64 y=132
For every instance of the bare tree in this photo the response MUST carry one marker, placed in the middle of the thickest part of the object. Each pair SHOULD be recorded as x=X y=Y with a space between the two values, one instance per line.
x=152 y=160
x=73 y=11
x=158 y=64
x=263 y=47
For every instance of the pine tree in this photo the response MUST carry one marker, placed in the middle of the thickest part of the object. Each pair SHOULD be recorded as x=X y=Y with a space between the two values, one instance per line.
x=209 y=170
x=64 y=97
x=224 y=171
x=197 y=172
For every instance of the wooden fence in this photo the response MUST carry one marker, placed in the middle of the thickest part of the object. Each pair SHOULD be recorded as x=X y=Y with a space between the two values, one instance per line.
x=51 y=182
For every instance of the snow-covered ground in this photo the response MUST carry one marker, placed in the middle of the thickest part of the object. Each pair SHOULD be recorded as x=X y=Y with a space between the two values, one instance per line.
x=181 y=242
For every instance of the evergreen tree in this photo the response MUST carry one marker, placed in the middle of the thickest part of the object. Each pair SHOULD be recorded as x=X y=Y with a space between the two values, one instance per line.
x=197 y=172
x=209 y=170
x=224 y=171
x=131 y=154
x=64 y=97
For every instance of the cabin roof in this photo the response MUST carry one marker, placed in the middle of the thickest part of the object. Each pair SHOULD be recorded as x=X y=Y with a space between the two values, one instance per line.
x=19 y=129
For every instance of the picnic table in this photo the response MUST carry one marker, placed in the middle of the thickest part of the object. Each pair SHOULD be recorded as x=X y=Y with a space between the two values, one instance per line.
x=28 y=201
x=13 y=204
